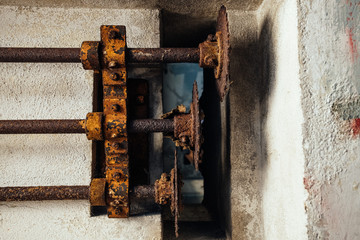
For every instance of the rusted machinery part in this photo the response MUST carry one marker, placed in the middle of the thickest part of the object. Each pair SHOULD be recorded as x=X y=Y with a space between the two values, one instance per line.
x=223 y=69
x=162 y=55
x=187 y=131
x=91 y=126
x=90 y=50
x=144 y=191
x=39 y=54
x=44 y=193
x=168 y=190
x=214 y=53
x=95 y=193
x=196 y=125
x=41 y=126
x=151 y=125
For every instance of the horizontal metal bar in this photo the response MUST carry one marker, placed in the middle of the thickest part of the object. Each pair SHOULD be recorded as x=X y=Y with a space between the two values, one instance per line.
x=77 y=126
x=162 y=55
x=40 y=193
x=44 y=193
x=134 y=55
x=41 y=126
x=40 y=55
x=151 y=125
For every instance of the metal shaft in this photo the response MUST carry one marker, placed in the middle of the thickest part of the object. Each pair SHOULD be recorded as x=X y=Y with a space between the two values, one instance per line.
x=63 y=193
x=134 y=55
x=77 y=126
x=44 y=193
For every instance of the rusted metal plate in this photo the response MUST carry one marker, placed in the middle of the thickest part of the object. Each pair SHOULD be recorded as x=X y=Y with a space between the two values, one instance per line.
x=113 y=45
x=187 y=130
x=168 y=190
x=223 y=39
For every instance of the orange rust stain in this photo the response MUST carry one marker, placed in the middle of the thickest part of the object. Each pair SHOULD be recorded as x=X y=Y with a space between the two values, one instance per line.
x=355 y=126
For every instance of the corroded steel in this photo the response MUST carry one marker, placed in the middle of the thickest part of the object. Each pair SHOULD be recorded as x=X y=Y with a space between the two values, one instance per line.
x=39 y=55
x=223 y=38
x=93 y=126
x=44 y=193
x=89 y=51
x=113 y=45
x=209 y=53
x=97 y=192
x=187 y=130
x=41 y=126
x=89 y=55
x=168 y=190
x=162 y=55
x=151 y=125
x=145 y=191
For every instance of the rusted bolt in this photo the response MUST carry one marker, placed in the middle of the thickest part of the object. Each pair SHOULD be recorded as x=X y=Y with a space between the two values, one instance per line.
x=112 y=34
x=116 y=107
x=140 y=99
x=114 y=76
x=116 y=145
x=112 y=64
x=117 y=176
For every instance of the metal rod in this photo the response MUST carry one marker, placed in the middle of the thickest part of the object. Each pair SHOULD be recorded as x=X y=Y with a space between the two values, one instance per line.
x=44 y=193
x=151 y=125
x=41 y=126
x=63 y=193
x=77 y=126
x=163 y=55
x=40 y=55
x=134 y=55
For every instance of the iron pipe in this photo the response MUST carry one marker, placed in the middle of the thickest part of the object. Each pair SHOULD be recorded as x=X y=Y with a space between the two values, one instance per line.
x=77 y=126
x=134 y=55
x=41 y=193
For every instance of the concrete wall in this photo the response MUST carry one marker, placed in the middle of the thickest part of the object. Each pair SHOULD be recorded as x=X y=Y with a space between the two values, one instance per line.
x=59 y=91
x=329 y=58
x=294 y=121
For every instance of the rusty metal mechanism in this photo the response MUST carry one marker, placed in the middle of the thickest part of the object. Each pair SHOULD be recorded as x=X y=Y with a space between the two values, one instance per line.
x=212 y=53
x=109 y=57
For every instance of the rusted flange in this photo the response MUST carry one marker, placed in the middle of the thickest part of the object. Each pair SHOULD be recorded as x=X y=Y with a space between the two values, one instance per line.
x=187 y=128
x=89 y=55
x=168 y=189
x=215 y=51
x=97 y=192
x=93 y=126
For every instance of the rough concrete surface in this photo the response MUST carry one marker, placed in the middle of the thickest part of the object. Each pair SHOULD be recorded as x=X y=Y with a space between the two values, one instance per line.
x=329 y=58
x=59 y=91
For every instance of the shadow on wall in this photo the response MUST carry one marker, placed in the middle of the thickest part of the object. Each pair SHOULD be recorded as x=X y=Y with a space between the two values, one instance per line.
x=250 y=74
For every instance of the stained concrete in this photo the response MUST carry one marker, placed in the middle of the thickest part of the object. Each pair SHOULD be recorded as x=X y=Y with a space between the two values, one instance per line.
x=59 y=91
x=329 y=70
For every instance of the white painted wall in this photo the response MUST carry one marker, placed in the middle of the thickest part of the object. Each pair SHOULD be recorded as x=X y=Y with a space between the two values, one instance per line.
x=283 y=193
x=59 y=91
